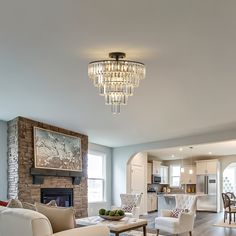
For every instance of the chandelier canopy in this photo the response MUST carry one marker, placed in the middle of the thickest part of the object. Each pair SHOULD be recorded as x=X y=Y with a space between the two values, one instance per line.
x=116 y=79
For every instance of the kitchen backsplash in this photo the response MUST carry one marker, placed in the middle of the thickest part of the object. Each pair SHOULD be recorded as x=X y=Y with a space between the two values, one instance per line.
x=189 y=188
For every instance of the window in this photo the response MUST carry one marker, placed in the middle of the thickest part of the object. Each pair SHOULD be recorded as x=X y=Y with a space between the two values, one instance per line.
x=174 y=176
x=96 y=177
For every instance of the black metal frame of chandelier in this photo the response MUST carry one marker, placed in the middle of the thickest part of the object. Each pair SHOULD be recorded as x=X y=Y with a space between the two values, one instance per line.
x=136 y=62
x=117 y=56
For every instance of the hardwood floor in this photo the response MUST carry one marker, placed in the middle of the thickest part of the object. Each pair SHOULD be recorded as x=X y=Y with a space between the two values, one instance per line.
x=203 y=225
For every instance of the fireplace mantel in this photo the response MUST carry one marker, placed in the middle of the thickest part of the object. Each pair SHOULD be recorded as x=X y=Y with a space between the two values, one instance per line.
x=38 y=175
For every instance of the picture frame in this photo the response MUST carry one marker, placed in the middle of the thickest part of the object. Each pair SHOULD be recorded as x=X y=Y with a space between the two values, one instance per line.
x=57 y=151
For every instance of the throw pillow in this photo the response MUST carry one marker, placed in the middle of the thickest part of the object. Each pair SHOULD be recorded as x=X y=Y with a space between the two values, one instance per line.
x=61 y=218
x=32 y=207
x=3 y=203
x=176 y=212
x=29 y=206
x=52 y=203
x=14 y=203
x=128 y=208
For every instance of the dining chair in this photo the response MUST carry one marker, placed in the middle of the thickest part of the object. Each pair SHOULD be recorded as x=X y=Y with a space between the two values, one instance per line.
x=232 y=198
x=228 y=208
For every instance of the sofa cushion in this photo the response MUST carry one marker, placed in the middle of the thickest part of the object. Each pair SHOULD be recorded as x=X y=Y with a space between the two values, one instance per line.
x=61 y=218
x=14 y=203
x=167 y=222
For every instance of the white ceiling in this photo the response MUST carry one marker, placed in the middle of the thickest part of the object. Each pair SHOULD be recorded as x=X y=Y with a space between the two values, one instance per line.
x=188 y=47
x=210 y=150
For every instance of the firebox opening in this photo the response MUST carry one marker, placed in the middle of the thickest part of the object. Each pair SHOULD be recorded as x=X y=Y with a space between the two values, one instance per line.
x=62 y=196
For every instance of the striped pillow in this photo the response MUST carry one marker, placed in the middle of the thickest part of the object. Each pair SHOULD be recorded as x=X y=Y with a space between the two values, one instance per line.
x=128 y=208
x=176 y=212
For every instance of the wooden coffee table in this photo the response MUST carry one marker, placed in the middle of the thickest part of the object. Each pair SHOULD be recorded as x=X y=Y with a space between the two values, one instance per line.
x=116 y=227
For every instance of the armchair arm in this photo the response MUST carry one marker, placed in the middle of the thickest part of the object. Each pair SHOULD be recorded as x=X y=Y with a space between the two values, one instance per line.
x=165 y=213
x=97 y=230
x=187 y=219
x=136 y=212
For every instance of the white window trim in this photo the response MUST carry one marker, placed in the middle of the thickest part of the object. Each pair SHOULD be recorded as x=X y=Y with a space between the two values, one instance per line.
x=171 y=177
x=97 y=153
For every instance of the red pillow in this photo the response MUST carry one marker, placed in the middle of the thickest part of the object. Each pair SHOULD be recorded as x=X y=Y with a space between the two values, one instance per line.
x=2 y=203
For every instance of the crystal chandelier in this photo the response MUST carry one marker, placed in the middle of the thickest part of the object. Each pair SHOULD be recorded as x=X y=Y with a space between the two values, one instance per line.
x=116 y=79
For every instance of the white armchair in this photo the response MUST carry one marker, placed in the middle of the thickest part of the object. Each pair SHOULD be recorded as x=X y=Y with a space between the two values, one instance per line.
x=185 y=221
x=130 y=203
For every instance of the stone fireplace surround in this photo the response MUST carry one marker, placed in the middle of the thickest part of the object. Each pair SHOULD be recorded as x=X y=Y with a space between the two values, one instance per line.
x=21 y=160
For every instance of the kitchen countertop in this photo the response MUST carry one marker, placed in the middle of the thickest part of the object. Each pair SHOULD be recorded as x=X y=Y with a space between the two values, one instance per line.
x=174 y=194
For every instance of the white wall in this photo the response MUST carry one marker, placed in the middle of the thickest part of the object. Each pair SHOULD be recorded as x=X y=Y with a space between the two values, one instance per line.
x=3 y=160
x=122 y=155
x=93 y=208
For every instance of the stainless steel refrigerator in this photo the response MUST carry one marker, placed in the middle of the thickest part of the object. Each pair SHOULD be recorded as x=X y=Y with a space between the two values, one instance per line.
x=207 y=193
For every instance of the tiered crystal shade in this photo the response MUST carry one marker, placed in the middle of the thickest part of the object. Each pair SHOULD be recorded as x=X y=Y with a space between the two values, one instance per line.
x=116 y=80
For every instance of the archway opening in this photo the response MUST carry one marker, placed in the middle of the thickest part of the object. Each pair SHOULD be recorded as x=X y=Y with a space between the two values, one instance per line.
x=229 y=178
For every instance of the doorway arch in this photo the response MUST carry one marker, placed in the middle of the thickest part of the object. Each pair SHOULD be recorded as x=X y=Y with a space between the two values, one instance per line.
x=136 y=176
x=229 y=178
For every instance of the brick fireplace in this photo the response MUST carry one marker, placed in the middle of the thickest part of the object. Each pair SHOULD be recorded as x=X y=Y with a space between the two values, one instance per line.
x=21 y=161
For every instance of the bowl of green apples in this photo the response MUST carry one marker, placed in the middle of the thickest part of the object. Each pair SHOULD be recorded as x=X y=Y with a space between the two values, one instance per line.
x=111 y=214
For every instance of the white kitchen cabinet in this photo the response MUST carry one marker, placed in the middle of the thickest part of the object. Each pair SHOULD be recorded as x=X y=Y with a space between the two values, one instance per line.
x=152 y=202
x=212 y=167
x=186 y=178
x=164 y=174
x=149 y=173
x=201 y=167
x=207 y=167
x=156 y=167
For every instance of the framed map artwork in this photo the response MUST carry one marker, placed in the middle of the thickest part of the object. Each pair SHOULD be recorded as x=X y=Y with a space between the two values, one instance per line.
x=54 y=150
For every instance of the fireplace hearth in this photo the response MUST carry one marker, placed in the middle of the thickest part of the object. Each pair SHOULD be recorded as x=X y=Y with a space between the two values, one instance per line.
x=62 y=196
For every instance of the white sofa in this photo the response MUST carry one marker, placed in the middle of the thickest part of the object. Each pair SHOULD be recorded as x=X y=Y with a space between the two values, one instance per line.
x=22 y=222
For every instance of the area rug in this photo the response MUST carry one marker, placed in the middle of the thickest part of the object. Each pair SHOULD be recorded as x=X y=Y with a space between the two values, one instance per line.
x=226 y=224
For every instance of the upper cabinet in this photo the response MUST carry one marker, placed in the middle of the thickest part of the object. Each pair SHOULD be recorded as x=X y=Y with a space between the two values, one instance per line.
x=207 y=167
x=156 y=167
x=164 y=174
x=186 y=178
